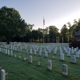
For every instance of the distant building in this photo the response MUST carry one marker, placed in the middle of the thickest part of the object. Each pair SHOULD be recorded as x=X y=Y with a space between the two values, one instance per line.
x=76 y=42
x=77 y=36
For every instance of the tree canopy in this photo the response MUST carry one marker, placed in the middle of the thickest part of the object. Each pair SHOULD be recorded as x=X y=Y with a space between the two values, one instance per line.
x=11 y=23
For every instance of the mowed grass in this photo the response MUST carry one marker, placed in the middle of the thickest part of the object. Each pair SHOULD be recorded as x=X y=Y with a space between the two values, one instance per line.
x=18 y=69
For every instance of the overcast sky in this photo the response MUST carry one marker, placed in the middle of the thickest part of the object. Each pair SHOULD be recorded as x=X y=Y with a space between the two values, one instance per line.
x=55 y=12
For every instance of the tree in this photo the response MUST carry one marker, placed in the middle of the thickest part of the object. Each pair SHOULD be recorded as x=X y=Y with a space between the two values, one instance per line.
x=64 y=33
x=40 y=29
x=36 y=34
x=69 y=24
x=77 y=24
x=30 y=26
x=53 y=33
x=11 y=23
x=74 y=28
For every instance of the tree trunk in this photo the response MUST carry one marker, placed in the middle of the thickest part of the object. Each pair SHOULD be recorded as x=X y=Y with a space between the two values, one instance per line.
x=8 y=40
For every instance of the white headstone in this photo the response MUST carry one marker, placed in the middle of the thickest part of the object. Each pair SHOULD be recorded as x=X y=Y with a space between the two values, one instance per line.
x=77 y=54
x=30 y=59
x=30 y=51
x=49 y=65
x=40 y=52
x=15 y=48
x=68 y=53
x=62 y=56
x=64 y=69
x=35 y=52
x=11 y=52
x=24 y=58
x=39 y=63
x=8 y=52
x=46 y=54
x=73 y=59
x=54 y=52
x=2 y=74
x=49 y=50
x=72 y=51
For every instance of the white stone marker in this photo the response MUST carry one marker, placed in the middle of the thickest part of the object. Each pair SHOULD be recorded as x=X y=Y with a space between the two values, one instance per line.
x=8 y=52
x=39 y=63
x=72 y=51
x=77 y=54
x=11 y=52
x=2 y=74
x=35 y=52
x=40 y=52
x=49 y=50
x=30 y=59
x=64 y=69
x=68 y=53
x=54 y=51
x=49 y=65
x=62 y=56
x=75 y=49
x=30 y=51
x=24 y=58
x=46 y=54
x=73 y=59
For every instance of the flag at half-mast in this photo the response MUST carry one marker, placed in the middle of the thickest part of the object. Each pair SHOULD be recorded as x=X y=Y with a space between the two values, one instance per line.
x=43 y=21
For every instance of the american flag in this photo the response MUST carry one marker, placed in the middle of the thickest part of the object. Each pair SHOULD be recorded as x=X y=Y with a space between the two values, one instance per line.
x=43 y=21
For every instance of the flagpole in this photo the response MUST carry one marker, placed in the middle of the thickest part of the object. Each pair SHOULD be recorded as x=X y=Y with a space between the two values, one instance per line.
x=43 y=28
x=43 y=33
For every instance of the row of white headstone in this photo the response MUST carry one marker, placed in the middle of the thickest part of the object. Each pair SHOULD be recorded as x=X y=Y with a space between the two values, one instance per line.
x=47 y=51
x=49 y=67
x=6 y=51
x=20 y=47
x=73 y=57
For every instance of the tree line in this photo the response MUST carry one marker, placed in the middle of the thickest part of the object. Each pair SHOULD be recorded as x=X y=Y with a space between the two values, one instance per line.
x=14 y=28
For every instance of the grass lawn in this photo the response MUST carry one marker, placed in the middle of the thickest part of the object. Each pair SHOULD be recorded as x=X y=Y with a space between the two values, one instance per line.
x=18 y=69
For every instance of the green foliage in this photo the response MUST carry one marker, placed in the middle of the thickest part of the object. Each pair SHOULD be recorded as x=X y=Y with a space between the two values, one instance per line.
x=64 y=33
x=11 y=24
x=53 y=32
x=77 y=27
x=36 y=34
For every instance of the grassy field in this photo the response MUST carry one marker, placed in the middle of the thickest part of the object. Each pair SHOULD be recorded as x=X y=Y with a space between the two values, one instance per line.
x=18 y=69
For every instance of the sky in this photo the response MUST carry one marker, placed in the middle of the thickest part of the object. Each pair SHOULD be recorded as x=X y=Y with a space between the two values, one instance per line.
x=55 y=12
